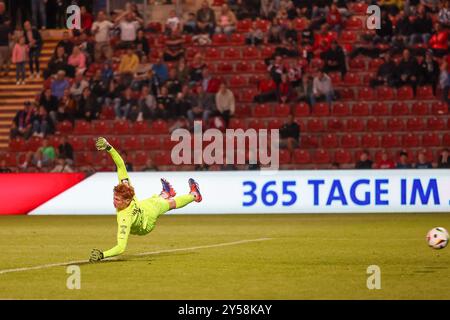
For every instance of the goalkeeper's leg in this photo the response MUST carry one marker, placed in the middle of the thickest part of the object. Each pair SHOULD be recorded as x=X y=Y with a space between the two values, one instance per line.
x=184 y=200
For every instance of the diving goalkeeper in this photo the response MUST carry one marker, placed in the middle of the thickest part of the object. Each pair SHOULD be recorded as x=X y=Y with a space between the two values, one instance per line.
x=134 y=216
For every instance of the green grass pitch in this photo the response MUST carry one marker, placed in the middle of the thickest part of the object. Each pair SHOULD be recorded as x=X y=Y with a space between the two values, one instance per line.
x=308 y=257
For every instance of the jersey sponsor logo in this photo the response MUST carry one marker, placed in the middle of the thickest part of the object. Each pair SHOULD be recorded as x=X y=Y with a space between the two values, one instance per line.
x=137 y=210
x=123 y=229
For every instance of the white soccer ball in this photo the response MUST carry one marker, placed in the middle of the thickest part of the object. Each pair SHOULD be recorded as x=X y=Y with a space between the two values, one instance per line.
x=437 y=238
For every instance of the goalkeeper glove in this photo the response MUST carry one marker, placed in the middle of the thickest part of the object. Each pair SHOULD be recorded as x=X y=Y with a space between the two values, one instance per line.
x=96 y=255
x=102 y=144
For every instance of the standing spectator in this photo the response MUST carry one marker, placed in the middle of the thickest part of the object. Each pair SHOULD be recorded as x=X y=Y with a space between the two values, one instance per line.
x=290 y=134
x=444 y=161
x=39 y=7
x=444 y=14
x=385 y=162
x=86 y=19
x=364 y=162
x=429 y=71
x=65 y=150
x=334 y=59
x=206 y=18
x=403 y=162
x=34 y=41
x=439 y=41
x=322 y=89
x=444 y=83
x=101 y=29
x=19 y=57
x=22 y=122
x=128 y=24
x=422 y=162
x=225 y=102
x=173 y=23
x=59 y=84
x=226 y=21
x=5 y=35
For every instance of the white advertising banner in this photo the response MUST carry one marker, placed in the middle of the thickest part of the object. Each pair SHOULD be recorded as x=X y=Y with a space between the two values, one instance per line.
x=231 y=192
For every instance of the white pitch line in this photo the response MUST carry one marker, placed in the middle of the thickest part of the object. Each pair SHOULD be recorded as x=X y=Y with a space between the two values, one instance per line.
x=60 y=264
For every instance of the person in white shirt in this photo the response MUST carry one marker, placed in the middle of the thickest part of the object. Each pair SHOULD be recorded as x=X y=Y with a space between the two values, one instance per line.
x=322 y=88
x=128 y=24
x=173 y=23
x=225 y=102
x=101 y=29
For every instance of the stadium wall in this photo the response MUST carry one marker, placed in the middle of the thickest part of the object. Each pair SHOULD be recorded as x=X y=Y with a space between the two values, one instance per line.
x=246 y=192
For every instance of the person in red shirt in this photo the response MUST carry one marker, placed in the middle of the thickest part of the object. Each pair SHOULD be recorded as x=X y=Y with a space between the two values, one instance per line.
x=439 y=41
x=385 y=162
x=322 y=40
x=334 y=18
x=267 y=90
x=86 y=19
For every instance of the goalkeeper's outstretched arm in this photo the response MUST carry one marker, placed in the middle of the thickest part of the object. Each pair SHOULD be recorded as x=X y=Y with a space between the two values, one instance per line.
x=103 y=144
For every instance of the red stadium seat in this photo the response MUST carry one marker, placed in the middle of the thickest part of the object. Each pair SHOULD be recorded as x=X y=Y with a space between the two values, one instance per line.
x=140 y=127
x=250 y=53
x=321 y=156
x=121 y=127
x=420 y=108
x=301 y=110
x=335 y=78
x=376 y=124
x=358 y=64
x=224 y=67
x=237 y=81
x=275 y=124
x=219 y=39
x=396 y=124
x=248 y=95
x=321 y=109
x=335 y=125
x=415 y=124
x=360 y=109
x=300 y=24
x=282 y=110
x=267 y=52
x=131 y=143
x=83 y=158
x=341 y=109
x=262 y=111
x=262 y=24
x=446 y=139
x=107 y=113
x=150 y=143
x=101 y=127
x=439 y=108
x=399 y=109
x=369 y=140
x=82 y=127
x=285 y=156
x=354 y=24
x=231 y=54
x=17 y=145
x=430 y=139
x=349 y=141
x=410 y=140
x=257 y=124
x=162 y=158
x=343 y=156
x=212 y=54
x=405 y=93
x=348 y=36
x=380 y=109
x=64 y=127
x=374 y=64
x=236 y=123
x=385 y=93
x=159 y=127
x=10 y=159
x=309 y=141
x=359 y=8
x=355 y=125
x=315 y=125
x=243 y=25
x=436 y=123
x=425 y=92
x=389 y=140
x=243 y=67
x=347 y=93
x=301 y=156
x=329 y=141
x=366 y=94
x=78 y=143
x=237 y=39
x=242 y=111
x=140 y=158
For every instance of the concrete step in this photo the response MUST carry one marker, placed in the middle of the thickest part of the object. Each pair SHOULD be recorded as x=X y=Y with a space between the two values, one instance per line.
x=17 y=94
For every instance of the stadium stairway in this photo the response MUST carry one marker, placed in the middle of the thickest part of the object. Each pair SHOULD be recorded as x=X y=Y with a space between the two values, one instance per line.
x=12 y=96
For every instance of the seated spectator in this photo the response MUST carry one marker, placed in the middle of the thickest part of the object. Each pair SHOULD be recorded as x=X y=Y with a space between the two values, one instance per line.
x=42 y=123
x=60 y=84
x=385 y=33
x=225 y=103
x=403 y=162
x=182 y=70
x=62 y=166
x=164 y=102
x=66 y=43
x=98 y=86
x=267 y=90
x=275 y=32
x=439 y=41
x=421 y=27
x=128 y=65
x=404 y=26
x=386 y=73
x=407 y=70
x=181 y=103
x=160 y=70
x=206 y=18
x=49 y=103
x=422 y=162
x=141 y=44
x=322 y=40
x=127 y=101
x=142 y=74
x=208 y=82
x=173 y=23
x=146 y=103
x=444 y=14
x=430 y=5
x=444 y=83
x=107 y=72
x=334 y=18
x=3 y=167
x=79 y=84
x=88 y=108
x=334 y=59
x=391 y=7
x=202 y=39
x=305 y=89
x=44 y=156
x=276 y=69
x=77 y=60
x=290 y=134
x=322 y=89
x=226 y=21
x=67 y=108
x=174 y=47
x=65 y=150
x=385 y=162
x=173 y=83
x=295 y=73
x=429 y=71
x=254 y=36
x=113 y=94
x=196 y=68
x=128 y=24
x=57 y=62
x=364 y=162
x=286 y=93
x=189 y=26
x=289 y=33
x=149 y=165
x=269 y=8
x=444 y=161
x=202 y=108
x=22 y=122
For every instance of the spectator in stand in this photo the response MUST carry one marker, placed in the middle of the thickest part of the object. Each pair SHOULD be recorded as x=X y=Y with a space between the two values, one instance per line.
x=385 y=33
x=322 y=89
x=403 y=162
x=65 y=150
x=407 y=70
x=39 y=7
x=208 y=82
x=128 y=65
x=334 y=18
x=57 y=62
x=444 y=83
x=429 y=71
x=141 y=44
x=444 y=161
x=254 y=36
x=19 y=58
x=78 y=86
x=142 y=74
x=3 y=167
x=164 y=102
x=290 y=134
x=289 y=33
x=276 y=69
x=267 y=90
x=88 y=108
x=286 y=93
x=269 y=8
x=5 y=36
x=422 y=162
x=174 y=46
x=226 y=21
x=44 y=156
x=173 y=84
x=439 y=41
x=22 y=122
x=334 y=59
x=275 y=32
x=87 y=19
x=225 y=103
x=126 y=103
x=421 y=26
x=147 y=103
x=128 y=164
x=49 y=103
x=202 y=108
x=66 y=43
x=128 y=23
x=98 y=86
x=196 y=68
x=160 y=70
x=173 y=23
x=101 y=29
x=149 y=165
x=67 y=108
x=386 y=73
x=430 y=5
x=190 y=25
x=182 y=70
x=62 y=166
x=322 y=40
x=305 y=89
x=404 y=27
x=42 y=123
x=206 y=18
x=391 y=7
x=33 y=40
x=364 y=161
x=385 y=162
x=77 y=60
x=444 y=13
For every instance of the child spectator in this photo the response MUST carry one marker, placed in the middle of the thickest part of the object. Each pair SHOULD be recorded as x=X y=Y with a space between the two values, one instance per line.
x=19 y=58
